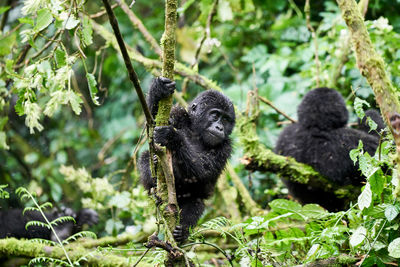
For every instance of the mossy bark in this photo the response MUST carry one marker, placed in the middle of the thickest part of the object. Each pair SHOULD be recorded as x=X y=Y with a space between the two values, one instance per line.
x=26 y=248
x=372 y=67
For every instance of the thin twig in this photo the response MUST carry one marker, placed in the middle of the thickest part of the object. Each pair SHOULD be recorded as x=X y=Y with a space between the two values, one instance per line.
x=5 y=15
x=206 y=34
x=102 y=12
x=211 y=245
x=269 y=103
x=141 y=257
x=314 y=36
x=132 y=74
x=140 y=26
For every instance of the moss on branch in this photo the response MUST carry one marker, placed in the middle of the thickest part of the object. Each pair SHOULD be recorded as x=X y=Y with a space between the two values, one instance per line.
x=27 y=248
x=371 y=65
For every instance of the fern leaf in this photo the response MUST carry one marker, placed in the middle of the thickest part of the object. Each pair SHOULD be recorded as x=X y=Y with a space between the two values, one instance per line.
x=36 y=223
x=39 y=260
x=79 y=235
x=62 y=219
x=46 y=205
x=43 y=241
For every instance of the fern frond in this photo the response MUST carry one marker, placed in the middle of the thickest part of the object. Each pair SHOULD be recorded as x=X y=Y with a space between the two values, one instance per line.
x=79 y=235
x=215 y=224
x=83 y=258
x=62 y=219
x=46 y=205
x=37 y=223
x=39 y=260
x=23 y=193
x=29 y=209
x=43 y=241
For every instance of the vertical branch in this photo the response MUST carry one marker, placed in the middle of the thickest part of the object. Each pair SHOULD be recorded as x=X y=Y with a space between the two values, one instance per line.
x=345 y=50
x=314 y=36
x=165 y=180
x=372 y=67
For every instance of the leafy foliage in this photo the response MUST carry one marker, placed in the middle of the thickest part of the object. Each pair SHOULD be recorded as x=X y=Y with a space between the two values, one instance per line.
x=71 y=128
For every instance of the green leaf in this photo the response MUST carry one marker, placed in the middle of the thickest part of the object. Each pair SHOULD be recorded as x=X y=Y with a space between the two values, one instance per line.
x=372 y=125
x=120 y=200
x=6 y=44
x=87 y=32
x=75 y=101
x=376 y=181
x=224 y=11
x=358 y=107
x=44 y=18
x=61 y=57
x=283 y=206
x=92 y=87
x=69 y=21
x=312 y=252
x=365 y=198
x=391 y=212
x=313 y=211
x=355 y=153
x=31 y=6
x=3 y=141
x=4 y=9
x=358 y=236
x=394 y=248
x=27 y=21
x=3 y=122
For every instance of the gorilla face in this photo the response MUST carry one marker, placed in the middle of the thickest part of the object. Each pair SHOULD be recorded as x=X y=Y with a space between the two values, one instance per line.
x=213 y=117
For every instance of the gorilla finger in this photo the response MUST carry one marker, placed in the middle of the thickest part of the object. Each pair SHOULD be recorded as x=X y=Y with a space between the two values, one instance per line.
x=170 y=85
x=164 y=79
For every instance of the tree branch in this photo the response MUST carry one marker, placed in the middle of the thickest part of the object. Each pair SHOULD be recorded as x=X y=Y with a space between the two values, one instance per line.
x=315 y=39
x=139 y=25
x=152 y=64
x=372 y=67
x=132 y=74
x=165 y=178
x=27 y=248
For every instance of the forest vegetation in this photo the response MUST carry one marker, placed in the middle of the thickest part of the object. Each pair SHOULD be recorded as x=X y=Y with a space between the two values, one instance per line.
x=74 y=76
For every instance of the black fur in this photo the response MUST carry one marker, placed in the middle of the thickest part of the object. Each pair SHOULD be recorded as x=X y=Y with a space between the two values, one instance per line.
x=13 y=222
x=321 y=139
x=200 y=145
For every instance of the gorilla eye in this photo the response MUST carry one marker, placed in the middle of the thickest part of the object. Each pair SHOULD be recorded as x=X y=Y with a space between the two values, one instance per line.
x=214 y=116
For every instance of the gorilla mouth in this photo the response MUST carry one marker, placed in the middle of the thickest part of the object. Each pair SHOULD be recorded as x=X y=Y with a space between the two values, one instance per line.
x=213 y=138
x=216 y=135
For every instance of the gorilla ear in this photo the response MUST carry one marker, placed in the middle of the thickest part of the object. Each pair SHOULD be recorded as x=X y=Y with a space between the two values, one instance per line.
x=194 y=106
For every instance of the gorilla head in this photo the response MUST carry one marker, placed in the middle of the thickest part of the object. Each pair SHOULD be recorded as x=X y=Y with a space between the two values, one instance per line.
x=322 y=108
x=213 y=116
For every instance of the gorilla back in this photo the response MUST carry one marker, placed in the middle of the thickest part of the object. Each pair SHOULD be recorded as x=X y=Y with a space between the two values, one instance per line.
x=321 y=139
x=200 y=145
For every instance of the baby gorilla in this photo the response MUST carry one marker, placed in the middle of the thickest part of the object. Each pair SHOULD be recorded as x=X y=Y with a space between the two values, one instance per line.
x=200 y=146
x=320 y=138
x=12 y=223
